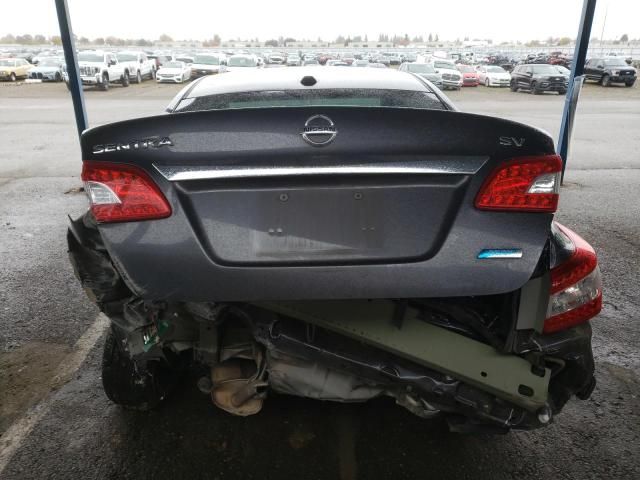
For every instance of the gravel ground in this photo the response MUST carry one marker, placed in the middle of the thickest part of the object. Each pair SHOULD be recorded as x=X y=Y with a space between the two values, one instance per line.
x=77 y=433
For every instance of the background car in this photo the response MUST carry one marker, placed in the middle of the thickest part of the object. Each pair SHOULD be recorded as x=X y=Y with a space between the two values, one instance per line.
x=137 y=64
x=493 y=76
x=207 y=64
x=14 y=68
x=293 y=60
x=276 y=59
x=563 y=70
x=242 y=61
x=160 y=59
x=100 y=68
x=538 y=79
x=336 y=63
x=360 y=63
x=469 y=76
x=610 y=70
x=451 y=77
x=48 y=69
x=173 y=72
x=424 y=70
x=188 y=59
x=313 y=61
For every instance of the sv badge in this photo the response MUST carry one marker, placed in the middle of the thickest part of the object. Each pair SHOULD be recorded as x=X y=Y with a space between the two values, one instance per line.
x=511 y=141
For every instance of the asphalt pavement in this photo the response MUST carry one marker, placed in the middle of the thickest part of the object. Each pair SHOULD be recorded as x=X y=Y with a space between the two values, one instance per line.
x=55 y=421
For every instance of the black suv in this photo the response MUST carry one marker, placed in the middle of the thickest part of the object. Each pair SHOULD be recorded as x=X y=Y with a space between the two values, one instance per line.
x=610 y=70
x=538 y=78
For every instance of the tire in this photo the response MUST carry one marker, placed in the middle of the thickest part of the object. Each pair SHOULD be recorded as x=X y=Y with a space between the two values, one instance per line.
x=58 y=77
x=128 y=385
x=562 y=92
x=138 y=77
x=486 y=82
x=126 y=81
x=13 y=77
x=534 y=89
x=104 y=86
x=629 y=84
x=513 y=87
x=606 y=81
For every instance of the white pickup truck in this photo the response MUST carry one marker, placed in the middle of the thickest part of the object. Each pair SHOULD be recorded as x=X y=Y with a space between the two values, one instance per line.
x=138 y=65
x=100 y=69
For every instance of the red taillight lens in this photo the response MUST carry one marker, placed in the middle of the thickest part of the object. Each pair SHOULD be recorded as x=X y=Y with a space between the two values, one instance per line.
x=576 y=287
x=526 y=184
x=122 y=193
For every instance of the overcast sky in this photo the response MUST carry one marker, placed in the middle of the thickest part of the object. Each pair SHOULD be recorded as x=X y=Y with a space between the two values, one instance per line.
x=501 y=20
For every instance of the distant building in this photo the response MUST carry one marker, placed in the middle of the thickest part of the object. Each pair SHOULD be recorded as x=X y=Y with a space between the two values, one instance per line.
x=370 y=44
x=315 y=44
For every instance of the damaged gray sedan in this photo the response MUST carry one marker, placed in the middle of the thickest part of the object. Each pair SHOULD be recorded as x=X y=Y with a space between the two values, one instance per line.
x=337 y=234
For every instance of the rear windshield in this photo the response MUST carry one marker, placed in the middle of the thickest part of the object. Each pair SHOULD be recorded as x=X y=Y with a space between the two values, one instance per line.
x=314 y=98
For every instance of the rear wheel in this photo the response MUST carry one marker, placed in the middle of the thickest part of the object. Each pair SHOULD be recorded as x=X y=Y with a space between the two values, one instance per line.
x=138 y=77
x=486 y=82
x=126 y=383
x=13 y=77
x=513 y=86
x=629 y=84
x=606 y=81
x=125 y=79
x=58 y=77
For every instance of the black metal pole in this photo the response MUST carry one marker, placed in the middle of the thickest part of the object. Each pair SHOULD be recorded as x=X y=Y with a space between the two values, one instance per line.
x=71 y=59
x=576 y=79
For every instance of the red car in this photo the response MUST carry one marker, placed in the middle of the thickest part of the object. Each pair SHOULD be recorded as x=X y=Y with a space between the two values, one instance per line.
x=469 y=76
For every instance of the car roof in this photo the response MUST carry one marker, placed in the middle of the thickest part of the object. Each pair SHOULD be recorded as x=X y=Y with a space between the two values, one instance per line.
x=290 y=78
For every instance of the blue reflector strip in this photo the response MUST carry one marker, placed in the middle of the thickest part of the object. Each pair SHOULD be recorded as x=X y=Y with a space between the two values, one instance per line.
x=500 y=253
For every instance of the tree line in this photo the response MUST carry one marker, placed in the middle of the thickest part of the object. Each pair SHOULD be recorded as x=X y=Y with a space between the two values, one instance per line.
x=216 y=41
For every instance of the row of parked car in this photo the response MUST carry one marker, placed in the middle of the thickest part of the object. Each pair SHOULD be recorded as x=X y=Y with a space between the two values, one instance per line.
x=103 y=68
x=534 y=77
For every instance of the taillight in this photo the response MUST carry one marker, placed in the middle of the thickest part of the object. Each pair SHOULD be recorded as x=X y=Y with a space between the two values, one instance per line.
x=576 y=287
x=122 y=193
x=526 y=184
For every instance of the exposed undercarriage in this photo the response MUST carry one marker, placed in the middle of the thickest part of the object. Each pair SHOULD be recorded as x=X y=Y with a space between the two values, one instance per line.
x=473 y=359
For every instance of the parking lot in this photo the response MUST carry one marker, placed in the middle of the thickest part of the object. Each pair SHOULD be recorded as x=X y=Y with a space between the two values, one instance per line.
x=55 y=421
